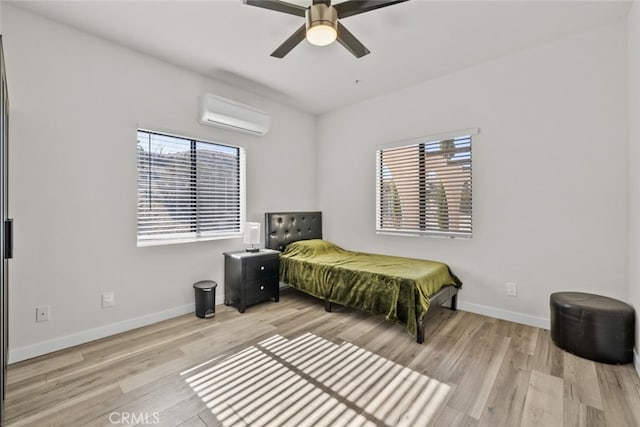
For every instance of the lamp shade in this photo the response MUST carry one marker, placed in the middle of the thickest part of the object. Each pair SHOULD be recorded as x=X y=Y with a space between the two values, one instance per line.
x=321 y=24
x=252 y=233
x=321 y=35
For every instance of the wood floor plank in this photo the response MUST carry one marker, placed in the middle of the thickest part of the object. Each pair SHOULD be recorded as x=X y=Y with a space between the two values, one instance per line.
x=581 y=381
x=337 y=324
x=117 y=404
x=225 y=337
x=461 y=358
x=502 y=327
x=140 y=341
x=56 y=392
x=548 y=358
x=505 y=404
x=454 y=418
x=619 y=394
x=153 y=402
x=577 y=414
x=209 y=419
x=194 y=421
x=66 y=412
x=23 y=372
x=465 y=324
x=594 y=417
x=87 y=366
x=523 y=338
x=493 y=373
x=181 y=412
x=475 y=386
x=379 y=337
x=149 y=375
x=434 y=352
x=517 y=359
x=543 y=406
x=402 y=352
x=361 y=325
x=406 y=351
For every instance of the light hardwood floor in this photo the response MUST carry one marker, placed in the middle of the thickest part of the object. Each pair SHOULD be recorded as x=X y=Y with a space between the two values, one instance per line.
x=340 y=368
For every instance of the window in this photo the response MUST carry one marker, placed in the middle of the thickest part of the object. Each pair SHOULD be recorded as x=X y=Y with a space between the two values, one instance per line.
x=424 y=187
x=188 y=190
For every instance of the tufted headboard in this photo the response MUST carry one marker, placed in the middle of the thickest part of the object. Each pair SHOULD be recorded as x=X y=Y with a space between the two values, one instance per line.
x=282 y=228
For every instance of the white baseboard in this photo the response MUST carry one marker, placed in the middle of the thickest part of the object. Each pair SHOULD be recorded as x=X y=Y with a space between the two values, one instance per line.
x=498 y=313
x=636 y=360
x=55 y=344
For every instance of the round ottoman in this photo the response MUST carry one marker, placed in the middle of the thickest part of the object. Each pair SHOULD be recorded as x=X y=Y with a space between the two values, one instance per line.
x=592 y=326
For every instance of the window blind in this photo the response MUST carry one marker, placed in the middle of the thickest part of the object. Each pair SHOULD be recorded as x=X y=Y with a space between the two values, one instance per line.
x=425 y=188
x=187 y=189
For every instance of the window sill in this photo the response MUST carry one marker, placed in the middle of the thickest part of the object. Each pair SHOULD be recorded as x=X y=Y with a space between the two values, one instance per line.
x=175 y=241
x=431 y=234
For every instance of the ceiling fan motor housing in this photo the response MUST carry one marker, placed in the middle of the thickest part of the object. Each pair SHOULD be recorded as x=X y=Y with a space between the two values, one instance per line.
x=321 y=25
x=321 y=15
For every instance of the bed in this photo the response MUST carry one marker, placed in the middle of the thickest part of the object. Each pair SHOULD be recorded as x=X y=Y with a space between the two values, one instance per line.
x=404 y=290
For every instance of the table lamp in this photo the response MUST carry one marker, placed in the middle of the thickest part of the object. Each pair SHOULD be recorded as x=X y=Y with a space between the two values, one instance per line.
x=252 y=235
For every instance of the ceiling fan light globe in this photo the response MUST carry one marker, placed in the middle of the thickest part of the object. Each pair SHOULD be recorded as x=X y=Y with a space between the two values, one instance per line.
x=321 y=24
x=321 y=35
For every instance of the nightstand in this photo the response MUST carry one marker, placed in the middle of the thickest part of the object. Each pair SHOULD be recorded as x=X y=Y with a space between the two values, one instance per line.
x=251 y=277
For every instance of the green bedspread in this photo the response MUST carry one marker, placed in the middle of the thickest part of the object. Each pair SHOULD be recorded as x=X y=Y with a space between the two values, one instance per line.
x=378 y=284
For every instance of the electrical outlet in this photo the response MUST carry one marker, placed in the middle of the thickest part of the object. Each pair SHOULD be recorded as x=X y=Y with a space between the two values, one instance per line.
x=42 y=313
x=512 y=289
x=108 y=299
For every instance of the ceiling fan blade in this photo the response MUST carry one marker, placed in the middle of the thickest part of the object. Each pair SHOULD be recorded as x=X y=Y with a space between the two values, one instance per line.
x=350 y=42
x=355 y=7
x=278 y=6
x=290 y=43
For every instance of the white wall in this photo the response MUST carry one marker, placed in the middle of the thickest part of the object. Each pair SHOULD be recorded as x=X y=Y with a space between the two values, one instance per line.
x=75 y=104
x=549 y=172
x=634 y=164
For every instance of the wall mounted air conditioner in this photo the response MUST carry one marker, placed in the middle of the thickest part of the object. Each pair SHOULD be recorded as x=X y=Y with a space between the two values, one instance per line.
x=224 y=113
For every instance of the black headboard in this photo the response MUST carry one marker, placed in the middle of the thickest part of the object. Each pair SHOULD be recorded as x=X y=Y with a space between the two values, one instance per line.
x=282 y=228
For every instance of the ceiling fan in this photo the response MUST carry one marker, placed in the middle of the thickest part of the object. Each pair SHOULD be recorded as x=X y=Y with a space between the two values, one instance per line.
x=322 y=26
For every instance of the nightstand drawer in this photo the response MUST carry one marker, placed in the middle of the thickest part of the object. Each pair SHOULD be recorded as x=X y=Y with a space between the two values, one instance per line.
x=262 y=268
x=261 y=290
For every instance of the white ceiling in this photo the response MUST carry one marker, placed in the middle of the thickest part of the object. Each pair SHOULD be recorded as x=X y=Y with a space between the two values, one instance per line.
x=410 y=42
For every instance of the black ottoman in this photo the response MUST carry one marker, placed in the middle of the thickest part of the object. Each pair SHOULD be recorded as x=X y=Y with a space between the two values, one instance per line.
x=592 y=326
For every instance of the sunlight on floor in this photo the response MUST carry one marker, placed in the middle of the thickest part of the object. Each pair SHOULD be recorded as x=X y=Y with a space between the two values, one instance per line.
x=309 y=381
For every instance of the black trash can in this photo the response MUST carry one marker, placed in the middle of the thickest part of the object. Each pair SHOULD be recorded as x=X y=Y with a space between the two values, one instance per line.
x=205 y=298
